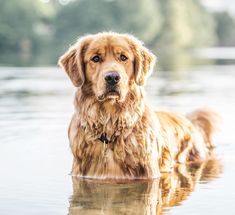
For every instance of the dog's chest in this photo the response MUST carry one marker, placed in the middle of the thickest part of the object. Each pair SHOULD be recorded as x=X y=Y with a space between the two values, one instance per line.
x=109 y=126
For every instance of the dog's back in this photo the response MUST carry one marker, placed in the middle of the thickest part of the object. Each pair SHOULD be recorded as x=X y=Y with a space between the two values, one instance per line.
x=206 y=121
x=186 y=138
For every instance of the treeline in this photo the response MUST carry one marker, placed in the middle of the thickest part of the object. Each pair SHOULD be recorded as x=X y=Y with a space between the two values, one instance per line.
x=39 y=32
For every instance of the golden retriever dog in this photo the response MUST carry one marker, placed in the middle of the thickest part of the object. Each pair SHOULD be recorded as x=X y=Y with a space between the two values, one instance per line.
x=113 y=133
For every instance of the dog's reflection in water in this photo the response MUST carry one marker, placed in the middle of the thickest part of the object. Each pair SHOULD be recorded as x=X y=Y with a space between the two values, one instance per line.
x=140 y=197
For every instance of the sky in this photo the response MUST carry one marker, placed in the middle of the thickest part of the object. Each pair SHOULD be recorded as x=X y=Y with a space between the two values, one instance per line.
x=217 y=5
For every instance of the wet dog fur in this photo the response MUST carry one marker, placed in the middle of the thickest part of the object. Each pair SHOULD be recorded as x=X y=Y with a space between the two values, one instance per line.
x=113 y=133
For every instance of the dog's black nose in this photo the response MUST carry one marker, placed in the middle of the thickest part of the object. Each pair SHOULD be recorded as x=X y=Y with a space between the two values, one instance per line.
x=112 y=78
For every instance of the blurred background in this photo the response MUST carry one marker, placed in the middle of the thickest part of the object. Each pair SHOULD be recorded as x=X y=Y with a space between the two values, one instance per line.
x=35 y=33
x=194 y=41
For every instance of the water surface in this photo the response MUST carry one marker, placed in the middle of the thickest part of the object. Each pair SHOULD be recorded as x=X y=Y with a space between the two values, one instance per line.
x=35 y=159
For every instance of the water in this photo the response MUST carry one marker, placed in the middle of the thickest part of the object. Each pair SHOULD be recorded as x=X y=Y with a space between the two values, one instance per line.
x=35 y=159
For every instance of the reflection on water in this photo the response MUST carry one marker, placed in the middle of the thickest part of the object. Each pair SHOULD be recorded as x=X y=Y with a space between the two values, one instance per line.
x=141 y=197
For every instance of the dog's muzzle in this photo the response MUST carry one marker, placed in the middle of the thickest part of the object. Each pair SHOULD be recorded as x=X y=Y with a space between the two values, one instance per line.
x=112 y=78
x=112 y=90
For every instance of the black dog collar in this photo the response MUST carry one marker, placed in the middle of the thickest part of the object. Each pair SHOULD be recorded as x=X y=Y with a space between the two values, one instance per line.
x=103 y=138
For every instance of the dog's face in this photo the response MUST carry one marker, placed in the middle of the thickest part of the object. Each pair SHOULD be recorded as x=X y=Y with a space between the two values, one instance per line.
x=108 y=62
x=109 y=67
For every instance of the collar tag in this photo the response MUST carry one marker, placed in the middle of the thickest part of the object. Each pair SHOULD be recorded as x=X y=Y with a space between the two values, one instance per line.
x=103 y=138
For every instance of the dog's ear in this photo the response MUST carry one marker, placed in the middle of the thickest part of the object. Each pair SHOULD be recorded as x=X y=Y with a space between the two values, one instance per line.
x=145 y=68
x=72 y=61
x=143 y=62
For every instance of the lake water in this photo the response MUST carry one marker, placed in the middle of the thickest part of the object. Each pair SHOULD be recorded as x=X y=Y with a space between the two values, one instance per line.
x=35 y=159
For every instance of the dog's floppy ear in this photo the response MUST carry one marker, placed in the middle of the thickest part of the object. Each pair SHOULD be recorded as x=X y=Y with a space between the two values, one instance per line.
x=143 y=62
x=73 y=61
x=144 y=66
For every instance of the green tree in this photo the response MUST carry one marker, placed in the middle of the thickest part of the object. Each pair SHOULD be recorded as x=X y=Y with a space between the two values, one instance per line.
x=21 y=24
x=167 y=26
x=225 y=29
x=139 y=17
x=185 y=24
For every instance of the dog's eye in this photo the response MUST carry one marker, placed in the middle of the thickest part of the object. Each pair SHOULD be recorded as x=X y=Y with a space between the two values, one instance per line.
x=123 y=57
x=96 y=59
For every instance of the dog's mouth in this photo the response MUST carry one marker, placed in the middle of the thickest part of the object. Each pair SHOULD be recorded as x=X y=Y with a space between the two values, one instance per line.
x=109 y=94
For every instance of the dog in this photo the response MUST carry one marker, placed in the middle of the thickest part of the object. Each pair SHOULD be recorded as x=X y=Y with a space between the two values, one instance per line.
x=113 y=133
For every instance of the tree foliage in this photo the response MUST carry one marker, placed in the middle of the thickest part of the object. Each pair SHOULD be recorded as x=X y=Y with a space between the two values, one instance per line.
x=185 y=24
x=167 y=25
x=225 y=29
x=139 y=17
x=19 y=21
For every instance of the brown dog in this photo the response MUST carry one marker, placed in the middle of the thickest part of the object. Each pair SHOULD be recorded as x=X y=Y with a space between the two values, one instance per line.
x=113 y=133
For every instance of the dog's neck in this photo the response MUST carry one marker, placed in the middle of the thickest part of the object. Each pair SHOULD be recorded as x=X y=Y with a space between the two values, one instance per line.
x=111 y=120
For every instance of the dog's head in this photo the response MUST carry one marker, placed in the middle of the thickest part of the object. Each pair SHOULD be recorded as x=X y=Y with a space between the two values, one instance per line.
x=110 y=63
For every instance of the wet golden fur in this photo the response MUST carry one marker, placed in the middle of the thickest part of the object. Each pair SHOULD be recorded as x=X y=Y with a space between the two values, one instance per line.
x=142 y=143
